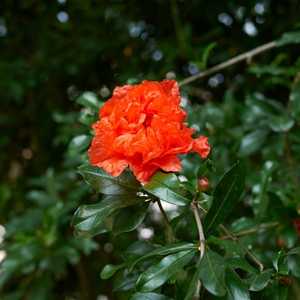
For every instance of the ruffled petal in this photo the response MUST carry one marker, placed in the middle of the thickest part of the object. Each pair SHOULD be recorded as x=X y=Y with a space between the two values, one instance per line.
x=169 y=163
x=201 y=146
x=113 y=166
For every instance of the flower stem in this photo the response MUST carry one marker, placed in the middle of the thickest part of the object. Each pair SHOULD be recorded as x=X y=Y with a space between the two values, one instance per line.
x=196 y=212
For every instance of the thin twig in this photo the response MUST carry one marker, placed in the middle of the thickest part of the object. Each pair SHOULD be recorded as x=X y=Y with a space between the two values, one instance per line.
x=253 y=230
x=169 y=231
x=234 y=237
x=196 y=212
x=249 y=253
x=232 y=61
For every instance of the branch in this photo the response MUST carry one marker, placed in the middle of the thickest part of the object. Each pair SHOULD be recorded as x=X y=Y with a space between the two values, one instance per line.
x=234 y=237
x=196 y=212
x=249 y=253
x=261 y=227
x=232 y=61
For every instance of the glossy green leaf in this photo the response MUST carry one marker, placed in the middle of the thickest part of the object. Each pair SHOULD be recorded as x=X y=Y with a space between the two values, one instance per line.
x=289 y=38
x=236 y=289
x=109 y=271
x=165 y=250
x=253 y=141
x=106 y=184
x=293 y=262
x=280 y=263
x=167 y=188
x=295 y=101
x=281 y=123
x=225 y=197
x=158 y=274
x=240 y=263
x=90 y=219
x=259 y=281
x=79 y=143
x=294 y=251
x=124 y=281
x=149 y=296
x=89 y=100
x=212 y=273
x=129 y=219
x=194 y=282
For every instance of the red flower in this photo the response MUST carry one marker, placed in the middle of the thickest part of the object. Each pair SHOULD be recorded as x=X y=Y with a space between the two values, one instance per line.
x=297 y=225
x=142 y=126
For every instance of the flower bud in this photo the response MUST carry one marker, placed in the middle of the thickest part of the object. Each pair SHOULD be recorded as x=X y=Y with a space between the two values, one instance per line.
x=297 y=225
x=203 y=184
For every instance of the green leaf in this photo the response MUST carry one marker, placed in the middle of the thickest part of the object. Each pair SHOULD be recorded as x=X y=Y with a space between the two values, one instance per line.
x=109 y=270
x=158 y=274
x=167 y=188
x=295 y=101
x=293 y=262
x=225 y=197
x=289 y=38
x=194 y=282
x=165 y=250
x=106 y=184
x=263 y=199
x=129 y=219
x=79 y=143
x=280 y=263
x=205 y=55
x=240 y=263
x=89 y=100
x=212 y=273
x=259 y=281
x=236 y=289
x=253 y=141
x=90 y=219
x=294 y=251
x=148 y=296
x=281 y=123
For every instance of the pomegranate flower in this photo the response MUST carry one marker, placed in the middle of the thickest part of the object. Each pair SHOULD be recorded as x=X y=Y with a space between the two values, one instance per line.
x=142 y=127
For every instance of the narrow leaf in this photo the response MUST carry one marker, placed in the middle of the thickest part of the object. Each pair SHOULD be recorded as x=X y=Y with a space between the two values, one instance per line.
x=106 y=184
x=194 y=283
x=90 y=219
x=158 y=274
x=289 y=38
x=225 y=197
x=149 y=296
x=129 y=219
x=109 y=270
x=236 y=289
x=165 y=250
x=252 y=142
x=212 y=273
x=259 y=281
x=167 y=188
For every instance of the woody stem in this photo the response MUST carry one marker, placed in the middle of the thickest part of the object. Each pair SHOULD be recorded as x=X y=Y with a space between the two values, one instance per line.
x=232 y=61
x=196 y=212
x=169 y=231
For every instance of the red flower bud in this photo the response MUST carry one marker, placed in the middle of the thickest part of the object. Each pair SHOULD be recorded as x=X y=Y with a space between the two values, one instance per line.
x=203 y=184
x=297 y=225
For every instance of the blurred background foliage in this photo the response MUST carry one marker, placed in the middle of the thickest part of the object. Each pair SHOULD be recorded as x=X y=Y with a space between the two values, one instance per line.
x=51 y=52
